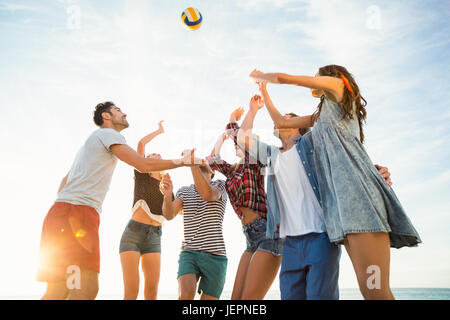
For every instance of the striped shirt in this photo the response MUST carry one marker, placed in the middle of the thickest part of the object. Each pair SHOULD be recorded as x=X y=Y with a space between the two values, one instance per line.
x=203 y=220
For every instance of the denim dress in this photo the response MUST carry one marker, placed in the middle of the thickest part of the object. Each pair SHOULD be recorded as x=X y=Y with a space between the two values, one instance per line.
x=355 y=198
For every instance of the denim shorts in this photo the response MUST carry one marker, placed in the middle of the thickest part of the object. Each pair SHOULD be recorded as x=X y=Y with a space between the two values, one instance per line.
x=255 y=233
x=141 y=237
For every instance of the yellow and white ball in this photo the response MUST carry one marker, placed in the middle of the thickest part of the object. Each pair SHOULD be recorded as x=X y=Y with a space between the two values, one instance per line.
x=191 y=18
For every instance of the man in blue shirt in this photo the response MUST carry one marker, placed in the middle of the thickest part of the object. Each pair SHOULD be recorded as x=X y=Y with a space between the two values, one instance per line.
x=310 y=262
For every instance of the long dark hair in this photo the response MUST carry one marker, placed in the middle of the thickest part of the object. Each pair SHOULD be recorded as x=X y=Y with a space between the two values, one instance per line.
x=348 y=98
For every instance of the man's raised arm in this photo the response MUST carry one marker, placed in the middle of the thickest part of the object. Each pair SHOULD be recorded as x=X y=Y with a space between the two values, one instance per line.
x=246 y=140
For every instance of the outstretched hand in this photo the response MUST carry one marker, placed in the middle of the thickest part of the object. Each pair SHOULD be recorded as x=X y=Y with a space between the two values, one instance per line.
x=236 y=115
x=160 y=127
x=256 y=75
x=384 y=172
x=262 y=85
x=256 y=102
x=166 y=186
x=189 y=158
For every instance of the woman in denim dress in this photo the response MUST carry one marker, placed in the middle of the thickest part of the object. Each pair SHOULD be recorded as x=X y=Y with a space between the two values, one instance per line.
x=361 y=211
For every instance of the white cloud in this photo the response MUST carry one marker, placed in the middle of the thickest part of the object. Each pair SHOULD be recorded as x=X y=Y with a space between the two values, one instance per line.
x=263 y=4
x=18 y=7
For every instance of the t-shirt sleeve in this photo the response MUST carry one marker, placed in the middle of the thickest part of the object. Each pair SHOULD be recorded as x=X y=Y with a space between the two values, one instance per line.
x=109 y=137
x=180 y=193
x=220 y=185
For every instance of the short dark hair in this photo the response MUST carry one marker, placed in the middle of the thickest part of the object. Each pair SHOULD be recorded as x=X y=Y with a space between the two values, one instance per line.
x=302 y=131
x=207 y=170
x=99 y=109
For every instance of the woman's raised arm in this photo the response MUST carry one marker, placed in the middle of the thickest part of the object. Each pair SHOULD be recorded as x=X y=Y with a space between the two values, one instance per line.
x=325 y=83
x=143 y=142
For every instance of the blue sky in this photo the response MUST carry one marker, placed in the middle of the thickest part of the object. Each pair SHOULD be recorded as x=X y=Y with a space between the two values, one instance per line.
x=54 y=70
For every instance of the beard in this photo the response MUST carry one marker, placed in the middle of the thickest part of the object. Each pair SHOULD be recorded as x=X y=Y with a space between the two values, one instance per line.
x=122 y=123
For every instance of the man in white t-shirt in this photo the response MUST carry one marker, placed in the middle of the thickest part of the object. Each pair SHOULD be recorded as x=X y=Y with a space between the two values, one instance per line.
x=69 y=249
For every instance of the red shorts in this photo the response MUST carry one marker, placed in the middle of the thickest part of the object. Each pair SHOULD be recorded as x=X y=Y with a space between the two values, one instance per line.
x=69 y=238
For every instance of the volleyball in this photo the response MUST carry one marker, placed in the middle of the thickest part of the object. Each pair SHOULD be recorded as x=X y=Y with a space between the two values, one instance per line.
x=191 y=18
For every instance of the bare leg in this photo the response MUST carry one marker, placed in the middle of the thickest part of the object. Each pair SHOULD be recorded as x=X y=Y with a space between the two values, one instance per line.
x=239 y=281
x=370 y=253
x=187 y=284
x=151 y=265
x=261 y=273
x=56 y=291
x=89 y=286
x=130 y=270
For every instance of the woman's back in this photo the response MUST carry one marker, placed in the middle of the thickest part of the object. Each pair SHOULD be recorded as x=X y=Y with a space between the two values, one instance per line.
x=332 y=114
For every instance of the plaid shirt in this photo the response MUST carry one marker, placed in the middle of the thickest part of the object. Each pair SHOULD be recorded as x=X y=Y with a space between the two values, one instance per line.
x=245 y=185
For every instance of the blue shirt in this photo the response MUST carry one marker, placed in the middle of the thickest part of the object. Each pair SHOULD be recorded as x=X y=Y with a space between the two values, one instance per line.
x=268 y=155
